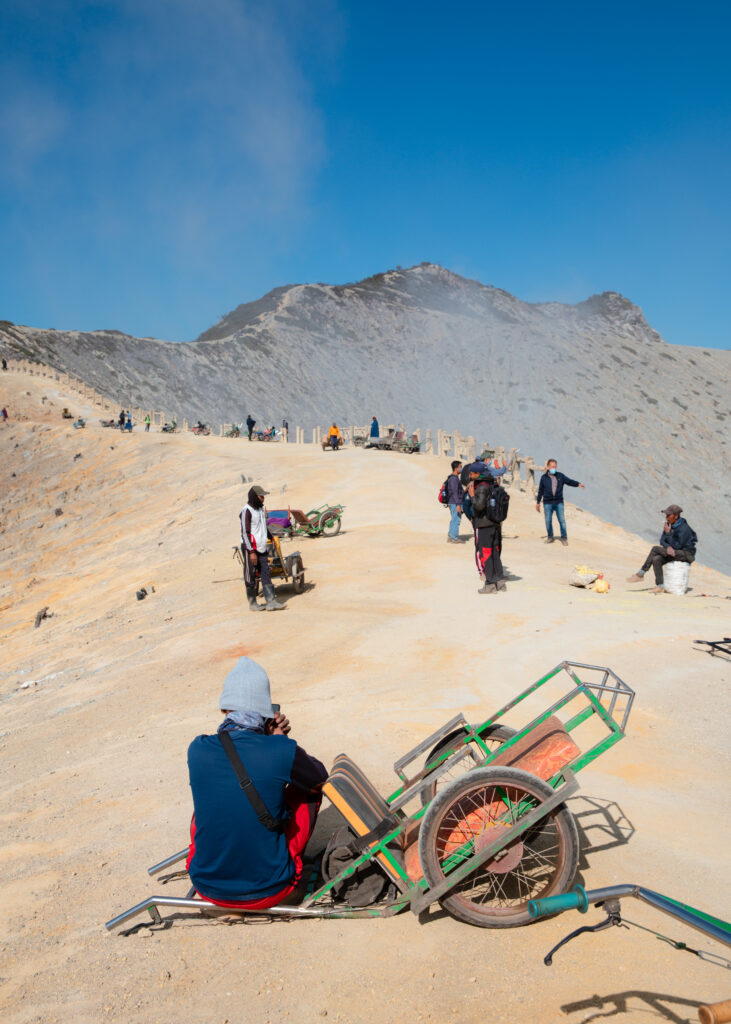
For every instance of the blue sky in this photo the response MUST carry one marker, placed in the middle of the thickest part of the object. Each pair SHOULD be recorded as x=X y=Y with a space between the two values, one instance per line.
x=162 y=161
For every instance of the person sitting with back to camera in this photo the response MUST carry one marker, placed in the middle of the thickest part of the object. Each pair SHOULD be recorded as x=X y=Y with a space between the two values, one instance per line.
x=256 y=796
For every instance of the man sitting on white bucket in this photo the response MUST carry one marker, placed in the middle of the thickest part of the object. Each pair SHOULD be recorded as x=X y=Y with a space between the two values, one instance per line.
x=677 y=544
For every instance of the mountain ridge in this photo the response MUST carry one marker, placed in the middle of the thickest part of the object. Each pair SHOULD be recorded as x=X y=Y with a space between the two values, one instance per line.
x=641 y=422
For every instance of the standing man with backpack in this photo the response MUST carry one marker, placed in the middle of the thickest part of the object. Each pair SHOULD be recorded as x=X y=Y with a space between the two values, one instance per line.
x=490 y=510
x=550 y=491
x=454 y=493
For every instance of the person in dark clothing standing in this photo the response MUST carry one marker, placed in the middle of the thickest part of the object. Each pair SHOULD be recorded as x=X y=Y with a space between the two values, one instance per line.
x=121 y=419
x=550 y=492
x=250 y=424
x=254 y=536
x=374 y=427
x=236 y=859
x=677 y=544
x=488 y=534
x=455 y=493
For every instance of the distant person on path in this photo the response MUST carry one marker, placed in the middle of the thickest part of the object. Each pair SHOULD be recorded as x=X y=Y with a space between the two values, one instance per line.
x=4 y=414
x=285 y=430
x=147 y=423
x=375 y=428
x=334 y=437
x=121 y=419
x=250 y=424
x=254 y=536
x=550 y=492
x=677 y=544
x=455 y=494
x=489 y=509
x=246 y=844
x=5 y=364
x=128 y=424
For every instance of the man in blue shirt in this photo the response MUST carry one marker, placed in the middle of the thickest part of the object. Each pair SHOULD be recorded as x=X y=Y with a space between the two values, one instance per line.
x=374 y=427
x=550 y=492
x=677 y=544
x=240 y=857
x=455 y=493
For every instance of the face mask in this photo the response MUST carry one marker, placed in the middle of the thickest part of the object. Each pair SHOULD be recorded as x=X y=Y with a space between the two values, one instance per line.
x=552 y=471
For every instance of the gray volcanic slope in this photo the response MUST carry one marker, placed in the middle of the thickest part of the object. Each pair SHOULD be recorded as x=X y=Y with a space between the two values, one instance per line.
x=639 y=421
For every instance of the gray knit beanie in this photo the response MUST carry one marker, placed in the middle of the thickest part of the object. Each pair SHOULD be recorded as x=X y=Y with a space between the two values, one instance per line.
x=246 y=688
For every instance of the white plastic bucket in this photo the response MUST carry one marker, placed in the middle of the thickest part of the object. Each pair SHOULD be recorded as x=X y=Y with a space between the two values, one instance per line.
x=675 y=576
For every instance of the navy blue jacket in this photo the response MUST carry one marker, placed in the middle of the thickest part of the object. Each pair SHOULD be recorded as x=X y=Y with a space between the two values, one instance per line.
x=545 y=491
x=680 y=538
x=236 y=857
x=374 y=428
x=455 y=490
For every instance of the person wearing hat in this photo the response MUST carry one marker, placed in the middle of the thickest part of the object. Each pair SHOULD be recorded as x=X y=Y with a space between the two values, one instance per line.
x=248 y=833
x=677 y=544
x=254 y=536
x=488 y=532
x=550 y=491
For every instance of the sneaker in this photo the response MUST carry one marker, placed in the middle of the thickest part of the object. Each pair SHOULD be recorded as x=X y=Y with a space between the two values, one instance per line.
x=488 y=588
x=549 y=540
x=637 y=578
x=501 y=585
x=453 y=540
x=565 y=541
x=657 y=590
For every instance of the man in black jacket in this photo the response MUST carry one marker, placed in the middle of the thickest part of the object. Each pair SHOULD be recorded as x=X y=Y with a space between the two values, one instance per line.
x=677 y=544
x=488 y=533
x=454 y=502
x=550 y=492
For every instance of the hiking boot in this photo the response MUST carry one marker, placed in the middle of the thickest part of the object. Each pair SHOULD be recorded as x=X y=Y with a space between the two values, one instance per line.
x=254 y=607
x=565 y=541
x=637 y=578
x=272 y=604
x=501 y=585
x=549 y=540
x=488 y=588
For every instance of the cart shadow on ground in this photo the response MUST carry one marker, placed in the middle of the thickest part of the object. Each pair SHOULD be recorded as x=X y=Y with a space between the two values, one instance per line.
x=653 y=1005
x=602 y=825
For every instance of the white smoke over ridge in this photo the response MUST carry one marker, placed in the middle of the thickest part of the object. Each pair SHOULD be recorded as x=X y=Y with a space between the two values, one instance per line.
x=175 y=131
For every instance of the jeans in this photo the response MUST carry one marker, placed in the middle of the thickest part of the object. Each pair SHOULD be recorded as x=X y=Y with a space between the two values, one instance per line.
x=454 y=522
x=548 y=510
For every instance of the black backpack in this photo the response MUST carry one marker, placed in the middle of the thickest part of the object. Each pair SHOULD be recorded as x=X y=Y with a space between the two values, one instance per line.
x=497 y=504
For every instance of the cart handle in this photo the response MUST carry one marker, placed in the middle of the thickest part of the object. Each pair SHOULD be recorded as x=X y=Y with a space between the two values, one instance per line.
x=574 y=900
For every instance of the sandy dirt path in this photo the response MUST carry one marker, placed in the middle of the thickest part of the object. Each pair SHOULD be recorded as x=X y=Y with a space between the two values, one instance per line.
x=99 y=703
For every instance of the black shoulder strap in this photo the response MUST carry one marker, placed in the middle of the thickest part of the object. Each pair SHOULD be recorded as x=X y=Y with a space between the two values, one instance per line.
x=260 y=808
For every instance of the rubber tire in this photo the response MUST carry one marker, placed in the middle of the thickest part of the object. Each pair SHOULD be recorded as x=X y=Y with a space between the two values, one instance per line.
x=495 y=732
x=460 y=908
x=298 y=575
x=329 y=527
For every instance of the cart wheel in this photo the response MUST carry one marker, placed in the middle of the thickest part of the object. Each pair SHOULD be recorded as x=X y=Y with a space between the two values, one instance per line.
x=298 y=575
x=493 y=738
x=540 y=862
x=329 y=525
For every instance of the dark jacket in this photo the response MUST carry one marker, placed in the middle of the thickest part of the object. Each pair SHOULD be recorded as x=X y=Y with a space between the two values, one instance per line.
x=680 y=538
x=545 y=490
x=454 y=490
x=374 y=428
x=232 y=855
x=481 y=504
